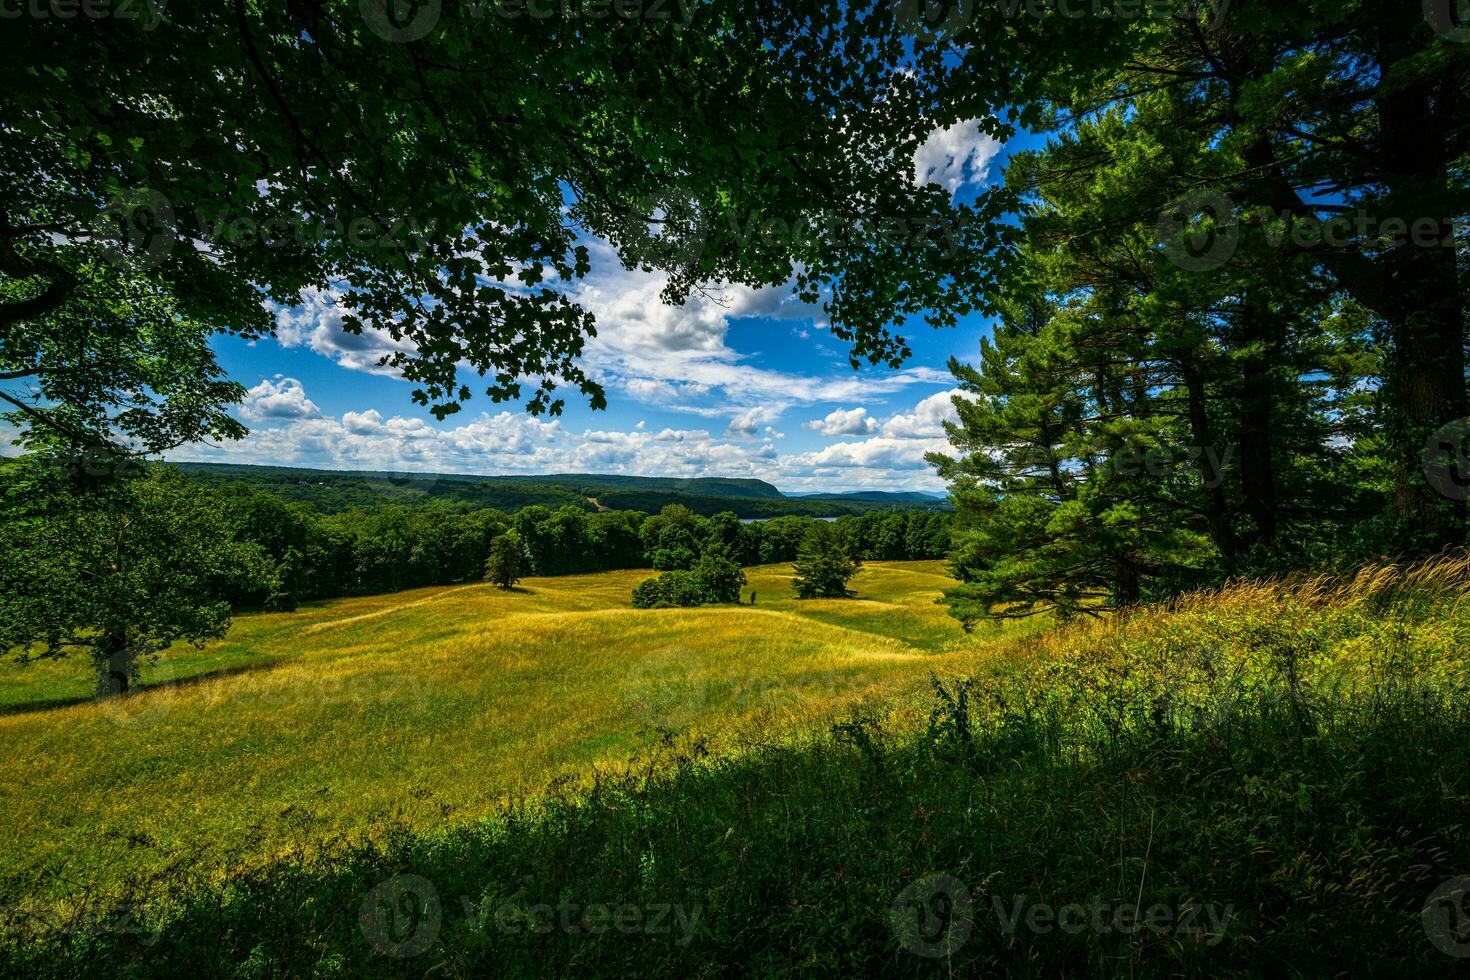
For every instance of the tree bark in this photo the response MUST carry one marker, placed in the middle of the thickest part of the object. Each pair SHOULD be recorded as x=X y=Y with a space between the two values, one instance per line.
x=114 y=665
x=1261 y=337
x=1426 y=313
x=1217 y=513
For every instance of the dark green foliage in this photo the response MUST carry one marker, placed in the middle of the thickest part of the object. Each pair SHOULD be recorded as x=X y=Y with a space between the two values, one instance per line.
x=824 y=565
x=119 y=574
x=671 y=589
x=119 y=364
x=759 y=508
x=720 y=578
x=333 y=491
x=1224 y=345
x=281 y=165
x=503 y=565
x=390 y=546
x=712 y=579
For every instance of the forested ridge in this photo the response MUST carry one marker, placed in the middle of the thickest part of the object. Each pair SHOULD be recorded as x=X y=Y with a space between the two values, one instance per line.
x=334 y=490
x=276 y=552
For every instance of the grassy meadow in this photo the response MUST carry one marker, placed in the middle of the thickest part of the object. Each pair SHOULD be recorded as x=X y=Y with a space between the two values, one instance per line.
x=432 y=705
x=1270 y=779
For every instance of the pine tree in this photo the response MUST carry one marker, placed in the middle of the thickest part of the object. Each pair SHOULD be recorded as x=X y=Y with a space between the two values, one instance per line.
x=824 y=565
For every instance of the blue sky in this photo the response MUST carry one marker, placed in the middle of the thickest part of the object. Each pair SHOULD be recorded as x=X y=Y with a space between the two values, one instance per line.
x=751 y=386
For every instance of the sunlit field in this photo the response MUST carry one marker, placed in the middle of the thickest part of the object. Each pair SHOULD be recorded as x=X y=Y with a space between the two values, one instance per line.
x=429 y=706
x=782 y=777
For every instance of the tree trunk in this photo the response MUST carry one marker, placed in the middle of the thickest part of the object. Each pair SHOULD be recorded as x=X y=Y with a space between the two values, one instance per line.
x=1427 y=315
x=1413 y=287
x=114 y=665
x=1127 y=587
x=1217 y=514
x=1261 y=336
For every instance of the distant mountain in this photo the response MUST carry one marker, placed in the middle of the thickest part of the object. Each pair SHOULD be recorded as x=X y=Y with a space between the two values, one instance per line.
x=332 y=491
x=591 y=482
x=885 y=496
x=699 y=486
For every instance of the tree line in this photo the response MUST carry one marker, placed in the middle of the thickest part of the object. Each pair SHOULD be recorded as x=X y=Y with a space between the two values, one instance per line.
x=122 y=566
x=287 y=551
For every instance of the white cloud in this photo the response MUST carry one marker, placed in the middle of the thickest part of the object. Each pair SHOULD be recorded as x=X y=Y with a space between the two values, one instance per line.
x=845 y=422
x=753 y=421
x=954 y=156
x=278 y=398
x=679 y=357
x=316 y=323
x=879 y=453
x=363 y=423
x=927 y=419
x=511 y=442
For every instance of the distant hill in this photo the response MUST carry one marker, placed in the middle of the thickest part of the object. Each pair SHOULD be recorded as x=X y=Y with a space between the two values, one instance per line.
x=700 y=486
x=883 y=496
x=332 y=491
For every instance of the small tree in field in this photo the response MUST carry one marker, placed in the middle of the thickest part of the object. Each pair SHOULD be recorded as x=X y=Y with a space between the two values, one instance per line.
x=118 y=573
x=823 y=565
x=503 y=566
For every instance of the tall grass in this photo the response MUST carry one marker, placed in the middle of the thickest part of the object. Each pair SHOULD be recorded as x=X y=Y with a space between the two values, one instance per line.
x=1272 y=777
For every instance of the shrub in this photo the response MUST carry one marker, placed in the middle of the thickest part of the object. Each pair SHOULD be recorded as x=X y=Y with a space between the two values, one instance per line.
x=823 y=565
x=670 y=589
x=713 y=579
x=720 y=578
x=649 y=594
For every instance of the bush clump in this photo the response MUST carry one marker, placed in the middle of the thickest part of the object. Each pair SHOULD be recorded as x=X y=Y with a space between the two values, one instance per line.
x=713 y=579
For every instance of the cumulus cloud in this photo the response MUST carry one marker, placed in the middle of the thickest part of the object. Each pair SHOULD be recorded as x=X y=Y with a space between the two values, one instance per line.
x=316 y=323
x=278 y=398
x=954 y=156
x=890 y=458
x=845 y=422
x=880 y=453
x=752 y=422
x=927 y=419
x=363 y=423
x=680 y=357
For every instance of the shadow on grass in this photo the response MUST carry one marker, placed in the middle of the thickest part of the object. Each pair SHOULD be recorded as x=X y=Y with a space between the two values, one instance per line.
x=143 y=690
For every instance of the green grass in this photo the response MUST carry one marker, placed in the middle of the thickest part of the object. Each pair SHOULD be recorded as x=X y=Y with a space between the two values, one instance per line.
x=1278 y=770
x=345 y=712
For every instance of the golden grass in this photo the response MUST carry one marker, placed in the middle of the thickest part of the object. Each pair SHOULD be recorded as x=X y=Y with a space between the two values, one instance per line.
x=434 y=704
x=1327 y=638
